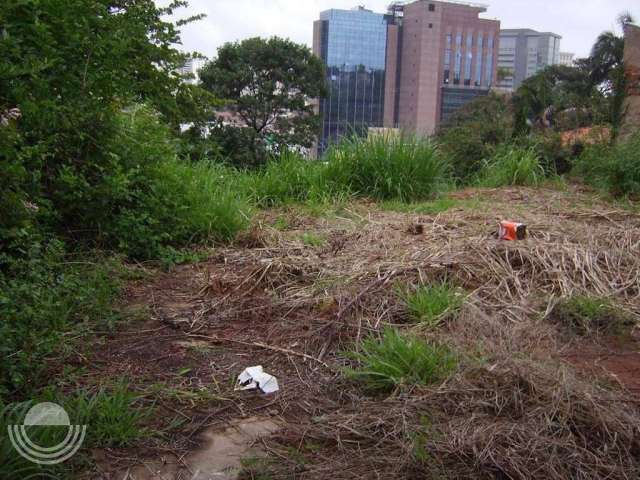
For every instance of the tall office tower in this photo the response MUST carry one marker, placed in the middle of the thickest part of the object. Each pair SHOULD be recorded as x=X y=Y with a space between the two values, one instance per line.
x=523 y=53
x=408 y=69
x=352 y=43
x=447 y=56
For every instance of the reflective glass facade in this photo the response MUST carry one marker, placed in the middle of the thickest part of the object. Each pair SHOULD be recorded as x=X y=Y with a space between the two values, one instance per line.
x=354 y=51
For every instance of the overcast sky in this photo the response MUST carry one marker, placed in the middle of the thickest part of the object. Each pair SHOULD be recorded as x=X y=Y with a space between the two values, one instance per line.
x=578 y=21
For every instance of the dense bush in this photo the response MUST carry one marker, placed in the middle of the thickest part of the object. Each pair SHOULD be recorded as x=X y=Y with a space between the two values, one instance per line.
x=473 y=133
x=155 y=200
x=387 y=167
x=613 y=168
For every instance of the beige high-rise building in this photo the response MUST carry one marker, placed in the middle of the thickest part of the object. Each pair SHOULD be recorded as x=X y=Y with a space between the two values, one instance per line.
x=409 y=68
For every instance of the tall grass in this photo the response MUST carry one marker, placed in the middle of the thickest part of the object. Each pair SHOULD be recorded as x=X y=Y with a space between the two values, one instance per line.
x=398 y=168
x=288 y=178
x=512 y=166
x=388 y=167
x=397 y=360
x=613 y=168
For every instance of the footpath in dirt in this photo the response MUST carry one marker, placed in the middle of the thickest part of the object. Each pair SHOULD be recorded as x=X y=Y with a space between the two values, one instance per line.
x=528 y=398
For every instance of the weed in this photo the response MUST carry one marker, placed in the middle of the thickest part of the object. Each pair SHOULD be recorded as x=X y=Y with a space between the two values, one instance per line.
x=311 y=239
x=43 y=299
x=429 y=304
x=396 y=360
x=281 y=223
x=182 y=395
x=512 y=166
x=113 y=414
x=256 y=468
x=113 y=418
x=585 y=315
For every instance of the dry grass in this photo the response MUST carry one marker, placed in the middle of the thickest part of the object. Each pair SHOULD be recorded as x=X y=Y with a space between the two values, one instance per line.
x=512 y=410
x=512 y=419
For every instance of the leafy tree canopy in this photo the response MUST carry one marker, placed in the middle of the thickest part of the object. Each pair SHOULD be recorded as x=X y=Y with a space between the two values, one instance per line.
x=595 y=85
x=269 y=84
x=69 y=67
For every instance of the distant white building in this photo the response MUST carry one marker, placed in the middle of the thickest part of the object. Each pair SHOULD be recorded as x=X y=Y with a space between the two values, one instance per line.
x=523 y=53
x=191 y=67
x=566 y=59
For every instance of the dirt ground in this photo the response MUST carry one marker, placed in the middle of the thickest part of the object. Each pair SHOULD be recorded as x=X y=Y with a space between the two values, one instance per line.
x=527 y=401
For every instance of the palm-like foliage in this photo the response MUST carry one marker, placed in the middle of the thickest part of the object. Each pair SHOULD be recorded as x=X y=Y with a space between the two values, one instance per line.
x=606 y=67
x=595 y=83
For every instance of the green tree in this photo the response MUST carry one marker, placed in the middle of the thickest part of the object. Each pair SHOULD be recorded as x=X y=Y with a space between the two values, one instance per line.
x=596 y=84
x=70 y=67
x=269 y=84
x=606 y=68
x=472 y=133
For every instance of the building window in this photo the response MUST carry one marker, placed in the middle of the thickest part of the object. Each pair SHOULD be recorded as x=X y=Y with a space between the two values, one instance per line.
x=479 y=60
x=490 y=61
x=432 y=7
x=431 y=25
x=458 y=63
x=468 y=59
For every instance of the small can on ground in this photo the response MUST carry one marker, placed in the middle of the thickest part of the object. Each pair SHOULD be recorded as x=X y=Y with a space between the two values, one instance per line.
x=512 y=231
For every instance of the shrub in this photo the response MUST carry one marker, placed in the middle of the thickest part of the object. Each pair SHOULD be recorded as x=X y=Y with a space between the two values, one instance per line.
x=429 y=304
x=387 y=167
x=584 y=315
x=512 y=166
x=473 y=133
x=397 y=360
x=613 y=168
x=184 y=205
x=149 y=201
x=43 y=297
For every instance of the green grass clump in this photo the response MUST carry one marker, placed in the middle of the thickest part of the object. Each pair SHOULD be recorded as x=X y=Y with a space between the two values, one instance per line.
x=387 y=167
x=512 y=166
x=288 y=178
x=311 y=239
x=585 y=315
x=429 y=304
x=397 y=360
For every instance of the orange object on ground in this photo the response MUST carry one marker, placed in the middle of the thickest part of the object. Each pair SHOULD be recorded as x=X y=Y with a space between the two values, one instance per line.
x=512 y=231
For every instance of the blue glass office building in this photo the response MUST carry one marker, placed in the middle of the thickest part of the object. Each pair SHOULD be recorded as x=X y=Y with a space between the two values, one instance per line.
x=353 y=45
